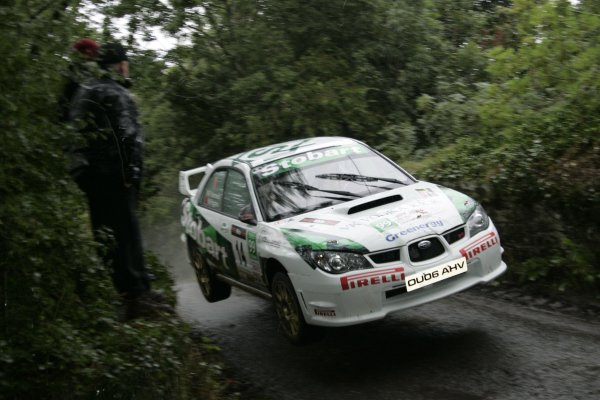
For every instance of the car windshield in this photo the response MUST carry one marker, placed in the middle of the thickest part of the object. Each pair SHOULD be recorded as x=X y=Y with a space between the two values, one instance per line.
x=322 y=178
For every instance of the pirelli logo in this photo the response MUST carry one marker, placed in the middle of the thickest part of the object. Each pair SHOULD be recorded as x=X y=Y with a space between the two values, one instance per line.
x=474 y=249
x=372 y=277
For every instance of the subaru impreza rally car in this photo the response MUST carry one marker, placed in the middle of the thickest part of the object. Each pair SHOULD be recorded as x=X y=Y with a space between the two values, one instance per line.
x=334 y=232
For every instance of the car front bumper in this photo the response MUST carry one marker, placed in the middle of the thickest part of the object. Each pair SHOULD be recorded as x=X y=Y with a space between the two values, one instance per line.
x=341 y=300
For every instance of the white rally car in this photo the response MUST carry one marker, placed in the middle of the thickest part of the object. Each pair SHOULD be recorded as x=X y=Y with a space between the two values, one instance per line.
x=334 y=232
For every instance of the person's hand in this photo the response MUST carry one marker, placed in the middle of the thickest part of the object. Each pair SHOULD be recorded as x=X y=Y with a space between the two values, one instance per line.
x=135 y=173
x=133 y=176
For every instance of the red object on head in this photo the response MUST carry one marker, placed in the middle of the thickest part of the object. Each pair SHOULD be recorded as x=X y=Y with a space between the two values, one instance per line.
x=88 y=47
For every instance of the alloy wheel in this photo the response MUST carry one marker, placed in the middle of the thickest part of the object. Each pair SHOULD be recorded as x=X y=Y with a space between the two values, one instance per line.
x=287 y=309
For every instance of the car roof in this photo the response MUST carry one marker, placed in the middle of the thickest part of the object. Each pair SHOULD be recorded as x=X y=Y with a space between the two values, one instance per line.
x=277 y=151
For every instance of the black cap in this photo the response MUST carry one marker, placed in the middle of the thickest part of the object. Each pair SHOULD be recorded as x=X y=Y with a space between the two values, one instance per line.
x=111 y=53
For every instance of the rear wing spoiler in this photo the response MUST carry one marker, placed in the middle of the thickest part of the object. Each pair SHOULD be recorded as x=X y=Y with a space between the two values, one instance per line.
x=184 y=179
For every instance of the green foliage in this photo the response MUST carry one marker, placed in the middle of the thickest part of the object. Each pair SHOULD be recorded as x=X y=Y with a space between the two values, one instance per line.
x=568 y=267
x=261 y=72
x=75 y=348
x=536 y=158
x=59 y=333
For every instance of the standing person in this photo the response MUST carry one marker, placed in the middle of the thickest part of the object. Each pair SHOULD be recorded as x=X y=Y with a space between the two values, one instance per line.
x=107 y=166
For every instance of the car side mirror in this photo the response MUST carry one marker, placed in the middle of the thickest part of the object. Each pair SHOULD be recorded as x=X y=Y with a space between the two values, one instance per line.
x=247 y=215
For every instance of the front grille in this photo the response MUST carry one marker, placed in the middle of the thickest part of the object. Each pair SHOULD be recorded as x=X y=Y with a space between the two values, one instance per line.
x=419 y=251
x=385 y=257
x=455 y=235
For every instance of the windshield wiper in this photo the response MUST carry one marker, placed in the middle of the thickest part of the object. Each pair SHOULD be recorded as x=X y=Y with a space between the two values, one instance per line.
x=359 y=178
x=305 y=186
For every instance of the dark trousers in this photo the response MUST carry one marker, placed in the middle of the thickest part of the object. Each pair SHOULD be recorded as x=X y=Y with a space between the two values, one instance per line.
x=113 y=207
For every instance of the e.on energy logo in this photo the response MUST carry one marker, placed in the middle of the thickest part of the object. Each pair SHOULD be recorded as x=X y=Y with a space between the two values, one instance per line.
x=479 y=246
x=371 y=278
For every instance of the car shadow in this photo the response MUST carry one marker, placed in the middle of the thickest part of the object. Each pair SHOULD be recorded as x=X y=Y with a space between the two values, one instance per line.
x=402 y=345
x=421 y=354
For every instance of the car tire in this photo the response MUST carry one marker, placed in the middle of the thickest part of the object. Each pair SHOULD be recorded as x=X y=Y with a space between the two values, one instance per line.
x=212 y=288
x=289 y=313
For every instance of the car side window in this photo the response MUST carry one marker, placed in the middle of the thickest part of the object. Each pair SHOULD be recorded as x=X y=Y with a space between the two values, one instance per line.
x=236 y=195
x=212 y=197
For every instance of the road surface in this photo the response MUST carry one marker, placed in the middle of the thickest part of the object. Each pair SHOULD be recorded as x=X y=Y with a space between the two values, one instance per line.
x=466 y=347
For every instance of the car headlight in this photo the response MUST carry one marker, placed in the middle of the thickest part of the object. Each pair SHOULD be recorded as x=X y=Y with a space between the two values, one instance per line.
x=478 y=221
x=334 y=262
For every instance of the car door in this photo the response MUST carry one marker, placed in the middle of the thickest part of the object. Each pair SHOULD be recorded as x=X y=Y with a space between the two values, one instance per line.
x=212 y=243
x=239 y=227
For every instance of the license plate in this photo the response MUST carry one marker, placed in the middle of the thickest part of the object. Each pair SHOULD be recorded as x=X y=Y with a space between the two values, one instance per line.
x=436 y=274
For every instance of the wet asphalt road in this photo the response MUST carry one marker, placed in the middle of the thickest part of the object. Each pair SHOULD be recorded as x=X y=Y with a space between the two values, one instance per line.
x=465 y=347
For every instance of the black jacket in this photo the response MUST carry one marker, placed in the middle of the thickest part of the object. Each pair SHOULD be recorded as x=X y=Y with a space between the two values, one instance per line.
x=111 y=138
